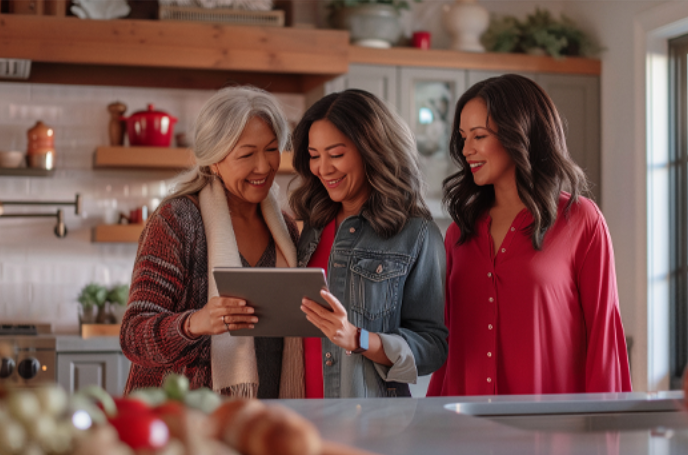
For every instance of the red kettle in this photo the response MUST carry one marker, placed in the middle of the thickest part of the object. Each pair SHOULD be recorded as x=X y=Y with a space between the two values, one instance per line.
x=150 y=128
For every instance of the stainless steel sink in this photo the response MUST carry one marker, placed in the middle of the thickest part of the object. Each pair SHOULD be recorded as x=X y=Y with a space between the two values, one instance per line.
x=656 y=412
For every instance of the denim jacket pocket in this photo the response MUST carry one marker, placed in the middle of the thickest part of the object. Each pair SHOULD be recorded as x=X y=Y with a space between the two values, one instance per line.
x=375 y=291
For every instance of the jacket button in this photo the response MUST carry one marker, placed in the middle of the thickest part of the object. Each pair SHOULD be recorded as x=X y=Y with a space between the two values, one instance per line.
x=328 y=354
x=329 y=363
x=379 y=269
x=352 y=230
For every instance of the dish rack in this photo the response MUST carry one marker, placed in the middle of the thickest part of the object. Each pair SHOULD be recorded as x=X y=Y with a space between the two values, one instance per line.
x=223 y=15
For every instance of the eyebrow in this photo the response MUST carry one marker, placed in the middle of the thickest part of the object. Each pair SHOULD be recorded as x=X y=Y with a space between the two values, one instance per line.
x=474 y=128
x=329 y=147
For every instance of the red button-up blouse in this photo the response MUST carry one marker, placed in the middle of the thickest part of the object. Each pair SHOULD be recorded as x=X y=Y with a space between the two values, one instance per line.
x=523 y=321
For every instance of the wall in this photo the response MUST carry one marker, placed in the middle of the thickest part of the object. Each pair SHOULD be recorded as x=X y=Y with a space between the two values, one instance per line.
x=41 y=275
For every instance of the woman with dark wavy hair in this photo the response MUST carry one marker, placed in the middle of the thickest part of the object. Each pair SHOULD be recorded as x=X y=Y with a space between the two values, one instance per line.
x=531 y=302
x=366 y=224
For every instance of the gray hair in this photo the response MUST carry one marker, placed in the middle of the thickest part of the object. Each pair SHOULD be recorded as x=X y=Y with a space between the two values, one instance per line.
x=220 y=124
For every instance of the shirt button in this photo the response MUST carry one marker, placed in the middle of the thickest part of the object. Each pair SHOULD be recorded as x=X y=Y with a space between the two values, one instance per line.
x=489 y=326
x=329 y=363
x=489 y=354
x=491 y=299
x=489 y=379
x=489 y=274
x=328 y=355
x=352 y=230
x=513 y=229
x=503 y=250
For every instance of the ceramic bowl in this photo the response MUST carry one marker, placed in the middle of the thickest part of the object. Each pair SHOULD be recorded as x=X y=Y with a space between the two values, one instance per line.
x=12 y=158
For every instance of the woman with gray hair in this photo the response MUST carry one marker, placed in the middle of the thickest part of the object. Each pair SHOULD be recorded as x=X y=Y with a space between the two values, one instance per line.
x=223 y=213
x=366 y=224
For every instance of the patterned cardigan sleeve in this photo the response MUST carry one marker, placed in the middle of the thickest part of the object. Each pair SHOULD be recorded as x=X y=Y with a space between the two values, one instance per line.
x=162 y=293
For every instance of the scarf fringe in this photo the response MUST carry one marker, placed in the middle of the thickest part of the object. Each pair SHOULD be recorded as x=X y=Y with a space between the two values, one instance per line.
x=245 y=390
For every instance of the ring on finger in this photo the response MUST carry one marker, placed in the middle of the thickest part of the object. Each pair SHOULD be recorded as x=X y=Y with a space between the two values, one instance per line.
x=223 y=319
x=226 y=325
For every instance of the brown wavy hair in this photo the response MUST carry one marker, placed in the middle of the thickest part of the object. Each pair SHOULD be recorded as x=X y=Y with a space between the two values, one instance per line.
x=530 y=129
x=390 y=161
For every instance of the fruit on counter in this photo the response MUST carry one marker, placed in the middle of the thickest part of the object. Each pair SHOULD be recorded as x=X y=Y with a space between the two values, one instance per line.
x=256 y=429
x=176 y=386
x=44 y=421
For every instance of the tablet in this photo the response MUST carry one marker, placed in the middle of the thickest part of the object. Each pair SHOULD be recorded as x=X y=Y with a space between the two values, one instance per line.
x=276 y=295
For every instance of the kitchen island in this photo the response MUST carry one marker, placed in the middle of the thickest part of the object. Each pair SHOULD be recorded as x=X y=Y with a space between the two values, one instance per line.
x=610 y=424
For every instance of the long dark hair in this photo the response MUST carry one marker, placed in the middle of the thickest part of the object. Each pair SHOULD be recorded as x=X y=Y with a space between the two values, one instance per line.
x=390 y=160
x=529 y=127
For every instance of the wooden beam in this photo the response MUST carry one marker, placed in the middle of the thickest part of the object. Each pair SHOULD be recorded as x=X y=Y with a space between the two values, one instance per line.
x=172 y=44
x=143 y=157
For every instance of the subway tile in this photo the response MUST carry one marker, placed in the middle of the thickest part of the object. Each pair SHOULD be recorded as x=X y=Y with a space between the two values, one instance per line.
x=13 y=188
x=69 y=93
x=14 y=295
x=14 y=91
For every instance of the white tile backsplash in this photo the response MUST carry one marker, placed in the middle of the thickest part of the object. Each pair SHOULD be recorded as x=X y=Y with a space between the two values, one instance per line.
x=40 y=274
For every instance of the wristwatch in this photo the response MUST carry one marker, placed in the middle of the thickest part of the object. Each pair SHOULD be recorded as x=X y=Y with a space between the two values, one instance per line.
x=361 y=341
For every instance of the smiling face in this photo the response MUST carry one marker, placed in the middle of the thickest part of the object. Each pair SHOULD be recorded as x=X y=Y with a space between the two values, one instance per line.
x=489 y=161
x=336 y=161
x=249 y=169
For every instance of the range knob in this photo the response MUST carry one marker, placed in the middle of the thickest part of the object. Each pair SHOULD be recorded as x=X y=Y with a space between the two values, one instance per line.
x=6 y=367
x=28 y=368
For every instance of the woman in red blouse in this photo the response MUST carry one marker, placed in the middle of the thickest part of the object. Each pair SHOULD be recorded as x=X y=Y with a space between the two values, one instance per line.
x=531 y=298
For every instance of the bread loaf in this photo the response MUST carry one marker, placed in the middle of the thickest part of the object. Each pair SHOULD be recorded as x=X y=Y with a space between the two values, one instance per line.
x=255 y=429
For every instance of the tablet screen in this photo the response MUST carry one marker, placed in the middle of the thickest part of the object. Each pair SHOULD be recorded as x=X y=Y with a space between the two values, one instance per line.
x=276 y=295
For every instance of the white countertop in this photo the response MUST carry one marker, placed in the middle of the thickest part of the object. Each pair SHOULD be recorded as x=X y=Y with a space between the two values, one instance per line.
x=649 y=424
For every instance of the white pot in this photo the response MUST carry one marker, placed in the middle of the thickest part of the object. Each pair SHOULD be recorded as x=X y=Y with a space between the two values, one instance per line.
x=371 y=25
x=466 y=21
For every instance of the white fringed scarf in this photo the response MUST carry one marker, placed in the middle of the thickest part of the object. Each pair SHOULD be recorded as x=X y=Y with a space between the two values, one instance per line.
x=233 y=359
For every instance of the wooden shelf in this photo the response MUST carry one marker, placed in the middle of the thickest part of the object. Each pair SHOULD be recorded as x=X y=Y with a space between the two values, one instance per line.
x=407 y=56
x=159 y=158
x=26 y=172
x=143 y=157
x=181 y=54
x=100 y=330
x=117 y=233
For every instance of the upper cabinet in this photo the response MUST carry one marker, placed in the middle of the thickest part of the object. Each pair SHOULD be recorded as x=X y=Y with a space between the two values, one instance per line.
x=173 y=54
x=424 y=86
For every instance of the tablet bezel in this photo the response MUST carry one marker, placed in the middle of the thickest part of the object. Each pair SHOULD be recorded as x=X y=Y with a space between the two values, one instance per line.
x=278 y=306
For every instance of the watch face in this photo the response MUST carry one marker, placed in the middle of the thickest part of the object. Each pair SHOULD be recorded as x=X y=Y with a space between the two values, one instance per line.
x=362 y=341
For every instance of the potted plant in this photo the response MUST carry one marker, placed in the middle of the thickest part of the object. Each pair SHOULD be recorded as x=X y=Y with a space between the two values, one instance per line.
x=117 y=297
x=540 y=34
x=92 y=299
x=372 y=23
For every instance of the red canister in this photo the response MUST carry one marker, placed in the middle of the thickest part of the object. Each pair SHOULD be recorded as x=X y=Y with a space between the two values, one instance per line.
x=150 y=127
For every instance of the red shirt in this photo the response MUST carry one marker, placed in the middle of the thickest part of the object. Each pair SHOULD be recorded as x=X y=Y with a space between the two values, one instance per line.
x=312 y=347
x=523 y=321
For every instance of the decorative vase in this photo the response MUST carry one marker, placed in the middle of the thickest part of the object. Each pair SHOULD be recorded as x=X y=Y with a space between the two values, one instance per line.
x=87 y=315
x=466 y=21
x=370 y=25
x=117 y=311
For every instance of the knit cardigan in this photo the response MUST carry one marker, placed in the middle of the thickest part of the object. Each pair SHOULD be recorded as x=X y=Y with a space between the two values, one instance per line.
x=169 y=282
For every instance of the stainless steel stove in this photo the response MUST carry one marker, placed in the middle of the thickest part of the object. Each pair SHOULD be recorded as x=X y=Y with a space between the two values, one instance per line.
x=27 y=355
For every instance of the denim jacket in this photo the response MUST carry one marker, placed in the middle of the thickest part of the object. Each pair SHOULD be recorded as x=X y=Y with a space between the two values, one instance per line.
x=393 y=287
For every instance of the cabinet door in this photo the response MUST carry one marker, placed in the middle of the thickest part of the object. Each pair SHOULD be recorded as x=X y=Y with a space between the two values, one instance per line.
x=379 y=80
x=577 y=99
x=75 y=371
x=427 y=99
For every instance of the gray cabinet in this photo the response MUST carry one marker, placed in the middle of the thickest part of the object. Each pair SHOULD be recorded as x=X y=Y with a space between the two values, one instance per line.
x=108 y=370
x=426 y=98
x=380 y=80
